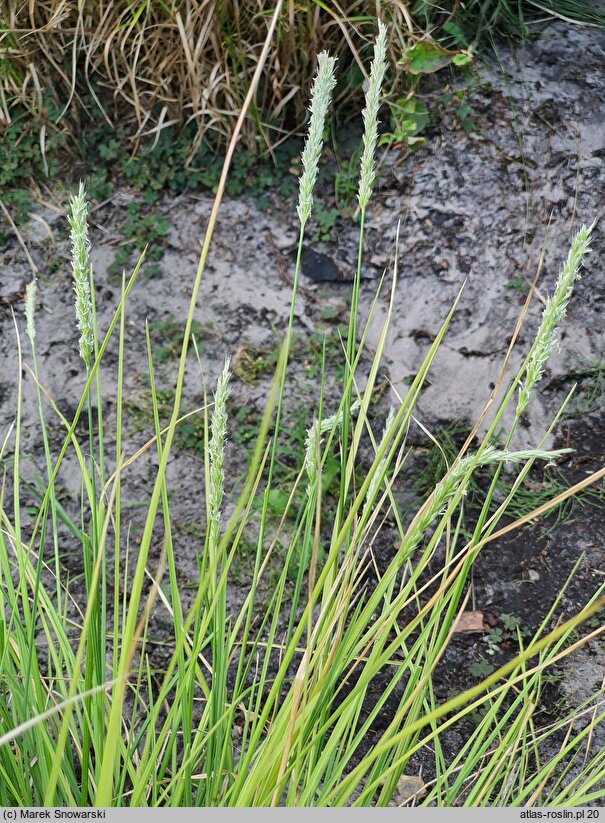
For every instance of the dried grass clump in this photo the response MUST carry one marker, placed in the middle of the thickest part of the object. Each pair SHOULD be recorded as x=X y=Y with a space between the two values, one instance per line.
x=150 y=65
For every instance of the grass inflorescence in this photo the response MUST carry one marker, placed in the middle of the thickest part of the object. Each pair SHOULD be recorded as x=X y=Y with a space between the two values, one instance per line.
x=272 y=701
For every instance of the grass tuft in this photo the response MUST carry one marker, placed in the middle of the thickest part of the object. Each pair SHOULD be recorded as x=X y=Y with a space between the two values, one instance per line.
x=274 y=698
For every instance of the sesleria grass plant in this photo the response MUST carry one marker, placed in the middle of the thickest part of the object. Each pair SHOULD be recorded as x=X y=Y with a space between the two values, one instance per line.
x=273 y=702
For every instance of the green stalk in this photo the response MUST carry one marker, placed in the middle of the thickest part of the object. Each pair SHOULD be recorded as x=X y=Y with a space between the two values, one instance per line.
x=366 y=183
x=105 y=781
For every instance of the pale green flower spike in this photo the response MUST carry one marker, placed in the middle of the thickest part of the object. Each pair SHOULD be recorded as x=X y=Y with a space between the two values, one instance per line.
x=370 y=117
x=30 y=306
x=320 y=100
x=449 y=485
x=313 y=435
x=554 y=313
x=80 y=247
x=216 y=451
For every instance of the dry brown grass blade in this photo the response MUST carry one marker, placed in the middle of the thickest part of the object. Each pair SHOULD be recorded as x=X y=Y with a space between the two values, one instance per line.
x=147 y=65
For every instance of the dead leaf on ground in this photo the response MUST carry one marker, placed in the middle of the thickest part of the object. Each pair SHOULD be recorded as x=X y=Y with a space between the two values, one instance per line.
x=471 y=622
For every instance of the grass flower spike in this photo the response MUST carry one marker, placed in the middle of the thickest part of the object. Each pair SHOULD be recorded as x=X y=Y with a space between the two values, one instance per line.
x=370 y=117
x=216 y=449
x=30 y=306
x=553 y=315
x=320 y=100
x=447 y=487
x=313 y=435
x=80 y=247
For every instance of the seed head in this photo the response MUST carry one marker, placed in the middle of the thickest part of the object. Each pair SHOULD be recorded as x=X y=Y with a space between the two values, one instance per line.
x=313 y=437
x=80 y=247
x=370 y=117
x=320 y=100
x=447 y=487
x=216 y=451
x=30 y=306
x=553 y=315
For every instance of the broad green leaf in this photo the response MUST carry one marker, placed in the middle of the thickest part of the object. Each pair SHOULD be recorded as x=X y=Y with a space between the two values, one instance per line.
x=427 y=58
